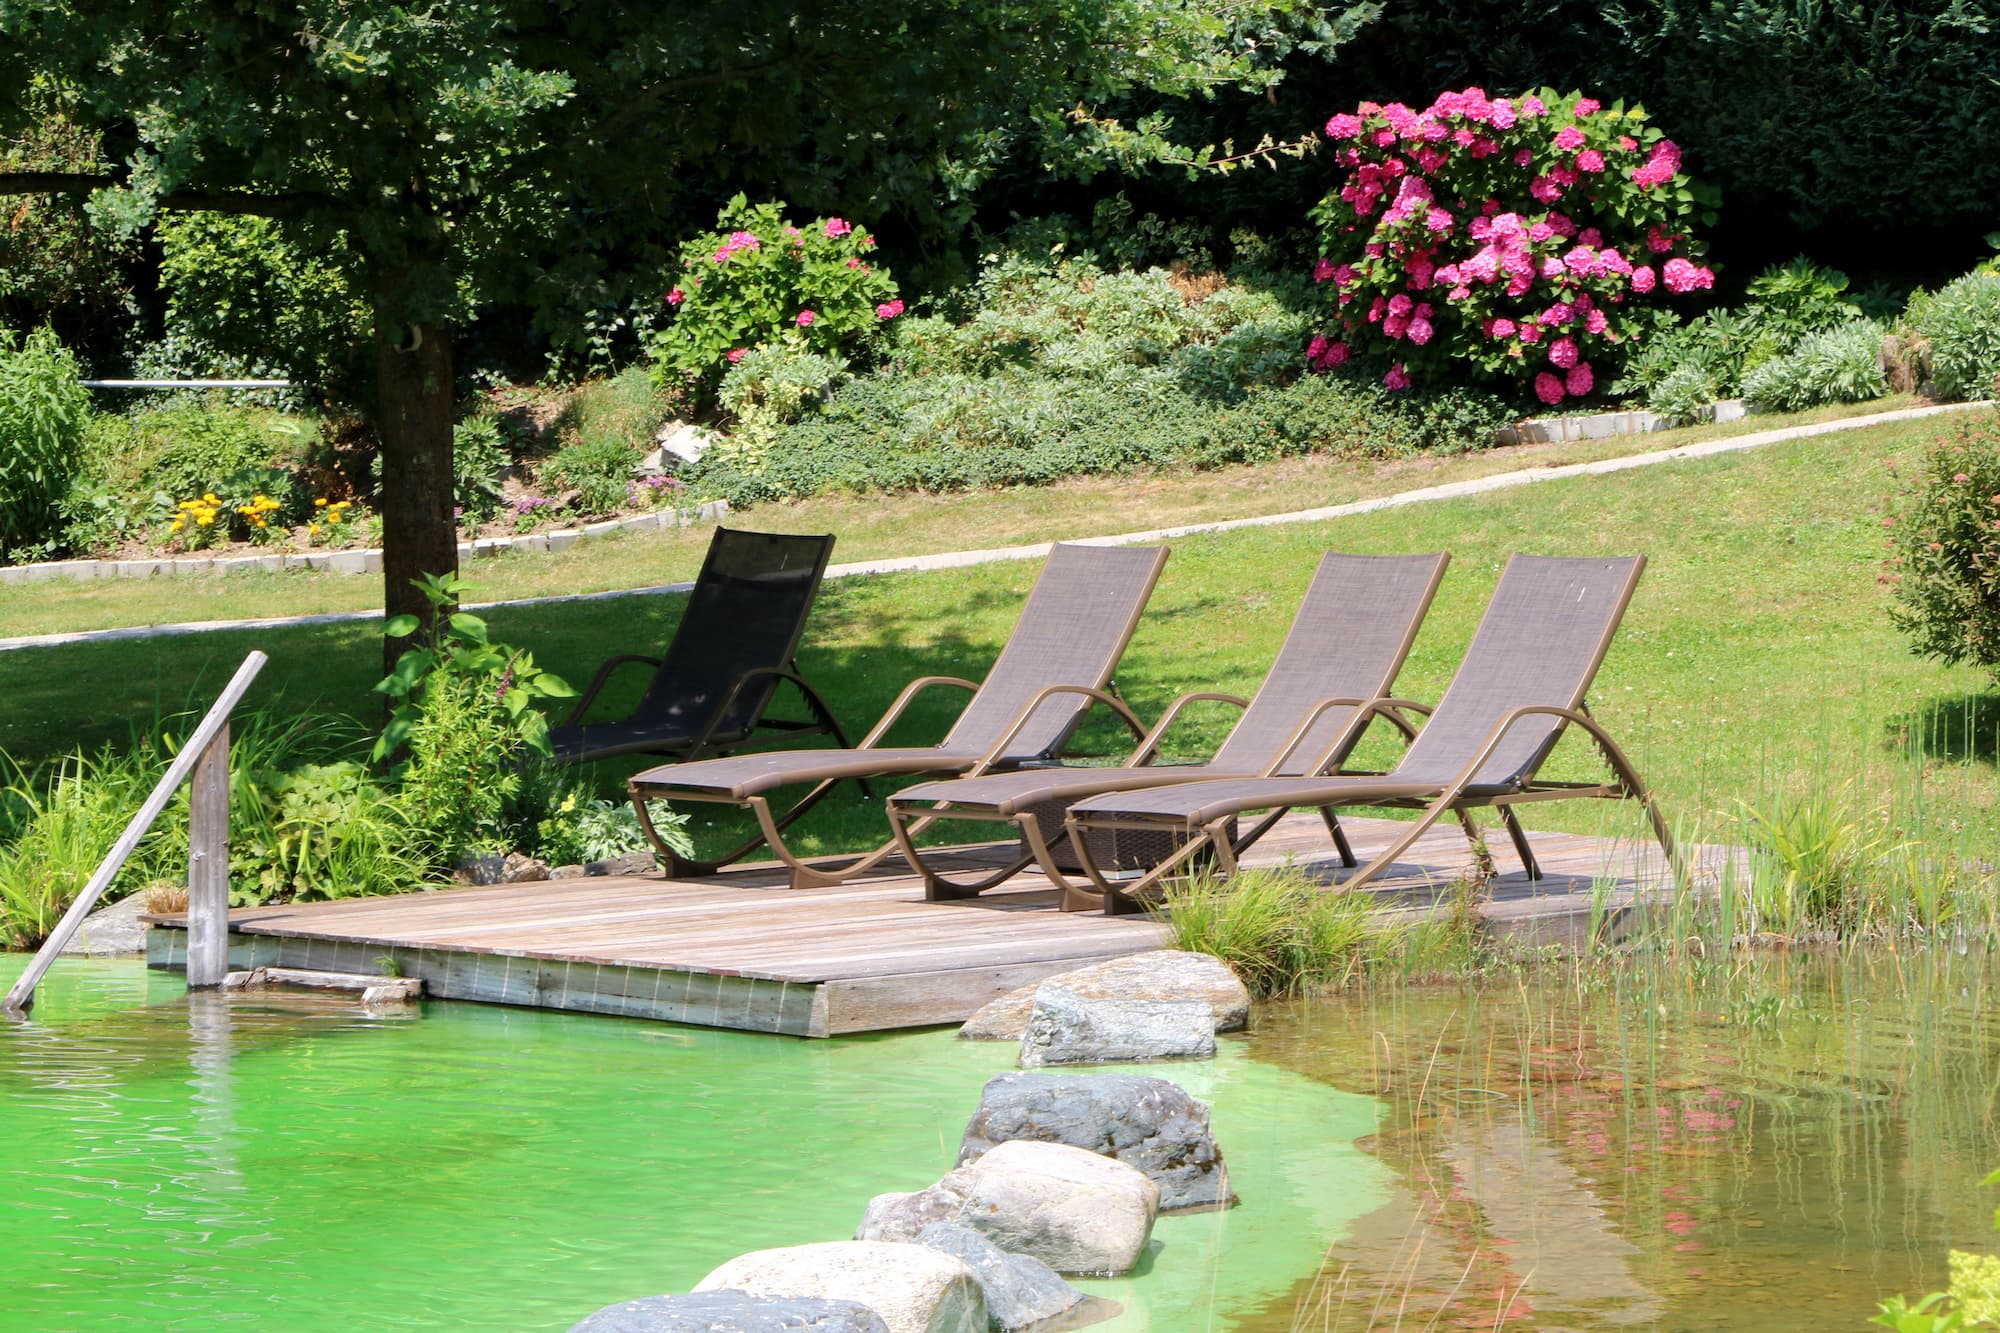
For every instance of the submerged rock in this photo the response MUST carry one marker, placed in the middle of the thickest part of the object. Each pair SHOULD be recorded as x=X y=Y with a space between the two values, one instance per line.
x=1075 y=1211
x=1147 y=1123
x=1163 y=974
x=914 y=1288
x=1067 y=1029
x=1020 y=1289
x=732 y=1312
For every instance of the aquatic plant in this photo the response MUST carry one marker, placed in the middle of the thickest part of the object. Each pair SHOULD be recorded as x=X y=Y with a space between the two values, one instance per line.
x=1280 y=930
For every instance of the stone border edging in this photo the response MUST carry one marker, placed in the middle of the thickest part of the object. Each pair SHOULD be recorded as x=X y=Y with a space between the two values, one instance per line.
x=994 y=555
x=364 y=561
x=1605 y=425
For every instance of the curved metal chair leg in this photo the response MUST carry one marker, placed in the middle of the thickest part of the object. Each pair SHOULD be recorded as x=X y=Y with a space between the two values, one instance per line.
x=679 y=867
x=939 y=887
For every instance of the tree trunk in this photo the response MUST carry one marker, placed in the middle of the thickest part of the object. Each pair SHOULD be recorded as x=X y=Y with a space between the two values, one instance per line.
x=413 y=422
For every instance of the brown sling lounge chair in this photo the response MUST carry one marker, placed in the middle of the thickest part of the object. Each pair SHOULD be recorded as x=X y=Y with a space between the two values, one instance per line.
x=1058 y=661
x=1521 y=683
x=733 y=647
x=1347 y=642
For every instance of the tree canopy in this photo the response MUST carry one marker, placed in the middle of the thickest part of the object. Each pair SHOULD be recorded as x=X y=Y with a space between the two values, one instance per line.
x=522 y=141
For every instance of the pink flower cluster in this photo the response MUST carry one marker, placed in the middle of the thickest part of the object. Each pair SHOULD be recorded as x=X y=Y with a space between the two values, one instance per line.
x=889 y=309
x=1506 y=233
x=738 y=240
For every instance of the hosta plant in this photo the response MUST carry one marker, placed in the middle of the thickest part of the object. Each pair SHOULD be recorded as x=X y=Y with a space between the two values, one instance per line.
x=1529 y=239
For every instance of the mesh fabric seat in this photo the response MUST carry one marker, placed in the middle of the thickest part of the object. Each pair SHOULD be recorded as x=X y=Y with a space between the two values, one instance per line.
x=1520 y=685
x=1347 y=641
x=734 y=646
x=1057 y=662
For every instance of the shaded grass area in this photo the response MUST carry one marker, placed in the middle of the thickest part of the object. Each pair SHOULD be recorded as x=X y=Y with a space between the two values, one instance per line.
x=868 y=527
x=1755 y=650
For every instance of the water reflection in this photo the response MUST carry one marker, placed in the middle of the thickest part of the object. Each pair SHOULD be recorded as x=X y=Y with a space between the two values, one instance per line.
x=1776 y=1143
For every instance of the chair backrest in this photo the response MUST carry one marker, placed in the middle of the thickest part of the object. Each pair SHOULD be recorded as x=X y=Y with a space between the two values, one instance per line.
x=1540 y=642
x=747 y=610
x=1352 y=631
x=1072 y=631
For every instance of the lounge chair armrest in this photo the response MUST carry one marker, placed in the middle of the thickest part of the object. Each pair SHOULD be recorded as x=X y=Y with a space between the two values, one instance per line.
x=1366 y=711
x=601 y=679
x=736 y=688
x=910 y=691
x=1150 y=744
x=1628 y=776
x=1047 y=692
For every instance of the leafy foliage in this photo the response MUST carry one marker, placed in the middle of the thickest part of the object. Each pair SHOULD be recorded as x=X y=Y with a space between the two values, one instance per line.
x=1945 y=538
x=1840 y=366
x=1961 y=322
x=597 y=468
x=54 y=268
x=43 y=411
x=759 y=279
x=264 y=305
x=463 y=717
x=478 y=457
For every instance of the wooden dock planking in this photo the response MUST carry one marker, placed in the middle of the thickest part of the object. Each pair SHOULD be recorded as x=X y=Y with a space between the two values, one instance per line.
x=743 y=950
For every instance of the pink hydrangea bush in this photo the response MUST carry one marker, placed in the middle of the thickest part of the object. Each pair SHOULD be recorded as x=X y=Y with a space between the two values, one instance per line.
x=1525 y=240
x=757 y=280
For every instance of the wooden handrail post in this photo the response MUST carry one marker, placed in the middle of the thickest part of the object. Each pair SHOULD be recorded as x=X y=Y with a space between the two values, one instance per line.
x=197 y=750
x=208 y=865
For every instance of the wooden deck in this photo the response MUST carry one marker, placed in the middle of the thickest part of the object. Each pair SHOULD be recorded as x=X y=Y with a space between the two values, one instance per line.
x=741 y=950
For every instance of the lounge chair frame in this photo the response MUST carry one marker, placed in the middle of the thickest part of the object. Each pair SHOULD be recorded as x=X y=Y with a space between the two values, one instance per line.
x=819 y=873
x=1212 y=839
x=711 y=738
x=1039 y=846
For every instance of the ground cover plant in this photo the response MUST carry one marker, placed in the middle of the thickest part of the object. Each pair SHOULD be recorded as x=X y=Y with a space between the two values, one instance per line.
x=1056 y=367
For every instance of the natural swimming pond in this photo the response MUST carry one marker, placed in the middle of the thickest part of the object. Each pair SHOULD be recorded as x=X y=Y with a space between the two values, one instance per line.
x=1772 y=1143
x=177 y=1161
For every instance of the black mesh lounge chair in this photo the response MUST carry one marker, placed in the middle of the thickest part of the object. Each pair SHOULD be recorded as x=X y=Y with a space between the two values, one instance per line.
x=733 y=647
x=1347 y=642
x=1058 y=661
x=1521 y=683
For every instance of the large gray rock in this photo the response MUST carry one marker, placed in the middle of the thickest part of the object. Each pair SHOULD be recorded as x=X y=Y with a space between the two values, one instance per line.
x=1067 y=1029
x=1019 y=1288
x=1146 y=1123
x=1163 y=974
x=111 y=930
x=914 y=1288
x=732 y=1312
x=1075 y=1211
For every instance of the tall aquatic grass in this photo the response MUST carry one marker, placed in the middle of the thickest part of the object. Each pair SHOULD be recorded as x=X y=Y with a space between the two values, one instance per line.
x=304 y=822
x=1278 y=929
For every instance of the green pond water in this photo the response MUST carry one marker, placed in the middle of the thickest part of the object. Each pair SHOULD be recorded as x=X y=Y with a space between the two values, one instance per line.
x=1773 y=1142
x=169 y=1161
x=1765 y=1142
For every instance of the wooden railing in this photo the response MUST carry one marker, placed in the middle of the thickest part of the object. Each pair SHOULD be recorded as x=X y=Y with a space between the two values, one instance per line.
x=203 y=762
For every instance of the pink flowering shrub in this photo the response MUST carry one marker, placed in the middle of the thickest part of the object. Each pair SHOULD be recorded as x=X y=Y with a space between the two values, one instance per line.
x=1526 y=240
x=759 y=280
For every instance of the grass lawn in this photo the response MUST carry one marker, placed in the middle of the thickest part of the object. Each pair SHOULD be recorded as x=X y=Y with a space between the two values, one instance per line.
x=871 y=527
x=1755 y=654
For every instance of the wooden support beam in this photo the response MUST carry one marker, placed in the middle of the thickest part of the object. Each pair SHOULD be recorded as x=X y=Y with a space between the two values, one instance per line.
x=208 y=865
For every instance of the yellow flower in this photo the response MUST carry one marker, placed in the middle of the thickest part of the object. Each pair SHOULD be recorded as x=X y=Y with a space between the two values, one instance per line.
x=204 y=519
